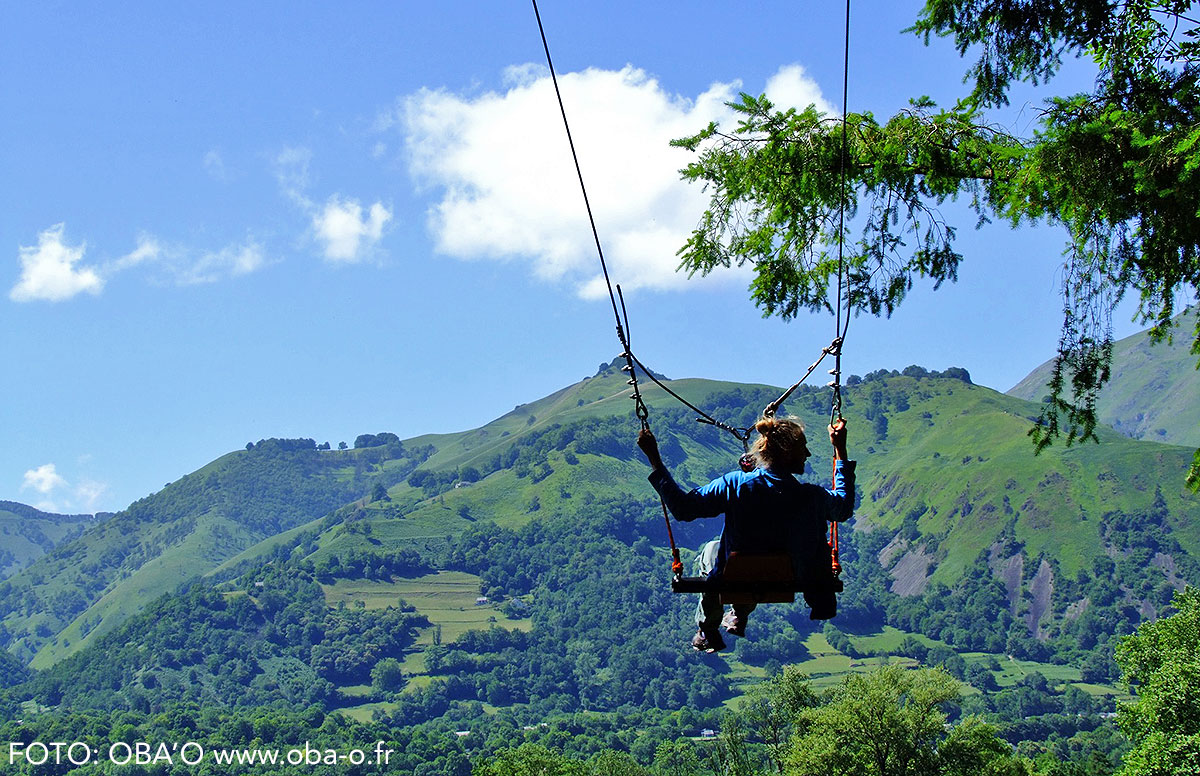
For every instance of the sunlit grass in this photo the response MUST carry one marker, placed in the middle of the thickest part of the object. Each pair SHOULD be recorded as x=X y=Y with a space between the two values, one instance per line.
x=364 y=712
x=446 y=598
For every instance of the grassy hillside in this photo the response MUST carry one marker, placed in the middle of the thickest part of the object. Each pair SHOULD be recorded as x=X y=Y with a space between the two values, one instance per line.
x=1154 y=390
x=958 y=459
x=323 y=581
x=26 y=533
x=950 y=490
x=573 y=447
x=85 y=587
x=578 y=622
x=949 y=485
x=952 y=456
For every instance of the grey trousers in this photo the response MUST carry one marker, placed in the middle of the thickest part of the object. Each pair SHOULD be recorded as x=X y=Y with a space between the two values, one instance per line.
x=708 y=609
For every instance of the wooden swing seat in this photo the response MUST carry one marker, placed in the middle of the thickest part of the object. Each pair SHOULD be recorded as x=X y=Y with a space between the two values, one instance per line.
x=751 y=578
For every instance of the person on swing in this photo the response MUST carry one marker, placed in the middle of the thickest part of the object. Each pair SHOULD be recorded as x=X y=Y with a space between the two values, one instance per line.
x=765 y=510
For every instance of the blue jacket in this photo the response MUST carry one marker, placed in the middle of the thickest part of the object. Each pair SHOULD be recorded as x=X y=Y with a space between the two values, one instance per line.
x=767 y=512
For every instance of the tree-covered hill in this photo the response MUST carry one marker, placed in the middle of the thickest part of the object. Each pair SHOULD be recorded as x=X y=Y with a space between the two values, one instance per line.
x=981 y=555
x=27 y=533
x=956 y=513
x=83 y=588
x=951 y=468
x=1154 y=389
x=958 y=523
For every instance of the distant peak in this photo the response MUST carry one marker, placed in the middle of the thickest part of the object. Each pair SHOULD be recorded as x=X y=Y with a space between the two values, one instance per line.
x=614 y=367
x=918 y=372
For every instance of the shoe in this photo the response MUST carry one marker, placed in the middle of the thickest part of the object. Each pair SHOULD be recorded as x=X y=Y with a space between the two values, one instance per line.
x=733 y=624
x=708 y=640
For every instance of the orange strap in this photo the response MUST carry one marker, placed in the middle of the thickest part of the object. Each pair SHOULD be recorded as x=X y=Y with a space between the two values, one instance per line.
x=676 y=563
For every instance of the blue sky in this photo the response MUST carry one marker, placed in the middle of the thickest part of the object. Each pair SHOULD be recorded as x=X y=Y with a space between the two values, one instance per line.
x=229 y=221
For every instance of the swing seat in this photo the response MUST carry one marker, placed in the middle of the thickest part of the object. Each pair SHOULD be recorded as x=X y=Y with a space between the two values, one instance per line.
x=751 y=578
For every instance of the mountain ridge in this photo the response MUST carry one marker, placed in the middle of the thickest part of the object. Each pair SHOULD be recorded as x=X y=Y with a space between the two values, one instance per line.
x=1151 y=393
x=27 y=533
x=518 y=572
x=943 y=462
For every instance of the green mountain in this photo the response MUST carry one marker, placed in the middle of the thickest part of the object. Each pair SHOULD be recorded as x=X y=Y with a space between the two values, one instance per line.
x=27 y=533
x=1154 y=390
x=956 y=512
x=496 y=578
x=84 y=587
x=947 y=472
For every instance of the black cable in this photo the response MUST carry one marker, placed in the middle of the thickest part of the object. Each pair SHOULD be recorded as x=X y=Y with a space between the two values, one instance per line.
x=641 y=410
x=742 y=434
x=839 y=332
x=578 y=170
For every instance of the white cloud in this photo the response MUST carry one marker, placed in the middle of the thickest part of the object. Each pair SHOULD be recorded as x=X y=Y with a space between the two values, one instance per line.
x=188 y=266
x=291 y=170
x=88 y=494
x=508 y=183
x=50 y=271
x=214 y=165
x=344 y=232
x=148 y=249
x=232 y=261
x=340 y=226
x=58 y=495
x=791 y=87
x=44 y=479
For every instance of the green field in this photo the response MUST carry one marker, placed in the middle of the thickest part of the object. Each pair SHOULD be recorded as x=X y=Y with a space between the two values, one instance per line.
x=448 y=601
x=364 y=712
x=887 y=641
x=1013 y=671
x=826 y=666
x=446 y=598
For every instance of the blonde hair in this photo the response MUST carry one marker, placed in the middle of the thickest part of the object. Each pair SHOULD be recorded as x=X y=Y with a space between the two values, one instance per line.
x=777 y=439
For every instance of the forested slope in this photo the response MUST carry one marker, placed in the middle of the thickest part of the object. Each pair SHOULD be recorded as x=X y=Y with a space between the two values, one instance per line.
x=84 y=587
x=324 y=572
x=27 y=533
x=1153 y=391
x=949 y=489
